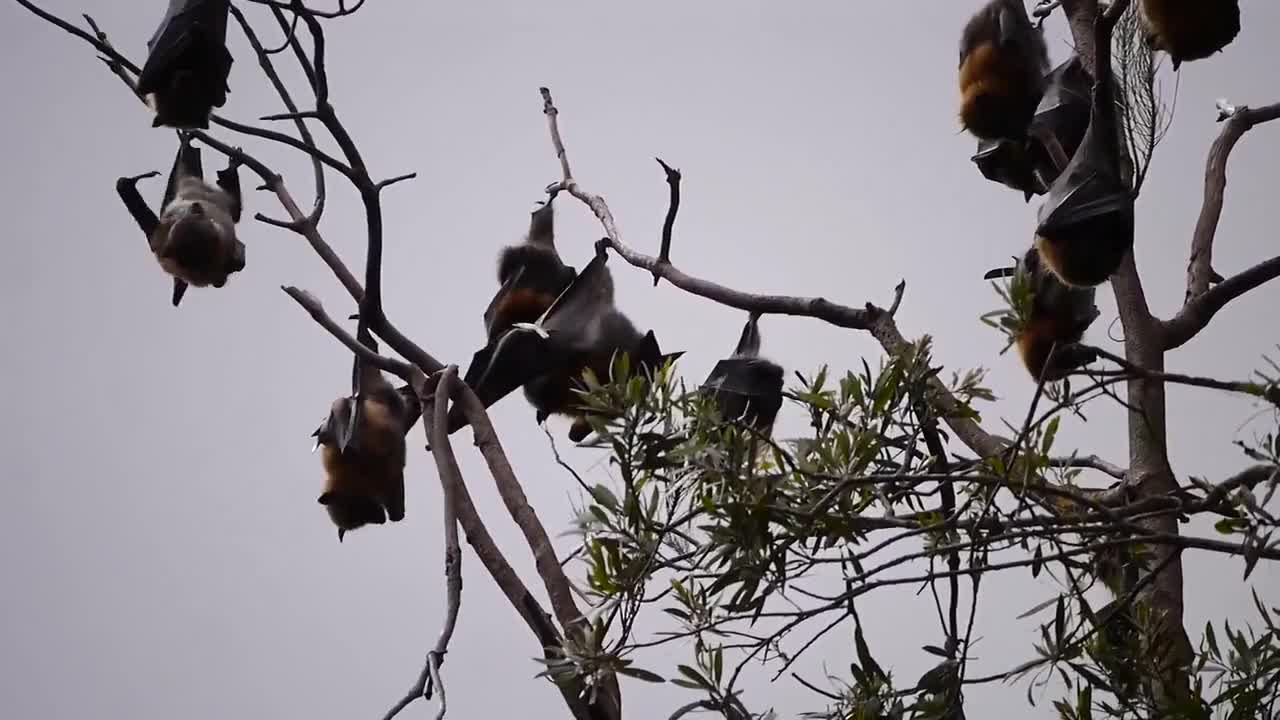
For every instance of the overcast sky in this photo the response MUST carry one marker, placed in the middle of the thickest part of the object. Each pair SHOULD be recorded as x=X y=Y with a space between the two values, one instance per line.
x=163 y=553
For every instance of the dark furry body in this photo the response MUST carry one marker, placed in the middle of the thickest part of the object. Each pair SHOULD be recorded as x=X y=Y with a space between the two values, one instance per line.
x=1059 y=315
x=364 y=485
x=1190 y=29
x=1003 y=61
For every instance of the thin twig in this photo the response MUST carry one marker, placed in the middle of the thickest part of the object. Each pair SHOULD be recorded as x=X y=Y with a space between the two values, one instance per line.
x=673 y=180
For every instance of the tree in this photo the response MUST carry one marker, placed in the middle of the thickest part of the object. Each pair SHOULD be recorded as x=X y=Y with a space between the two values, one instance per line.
x=718 y=540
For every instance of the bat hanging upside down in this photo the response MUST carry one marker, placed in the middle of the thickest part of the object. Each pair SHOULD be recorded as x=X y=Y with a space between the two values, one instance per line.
x=364 y=452
x=194 y=239
x=185 y=75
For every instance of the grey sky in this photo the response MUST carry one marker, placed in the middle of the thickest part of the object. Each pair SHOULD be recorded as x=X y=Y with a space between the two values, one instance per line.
x=163 y=551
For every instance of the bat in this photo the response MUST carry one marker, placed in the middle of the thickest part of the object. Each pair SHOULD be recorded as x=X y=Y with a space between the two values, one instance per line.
x=1190 y=29
x=1061 y=119
x=582 y=329
x=185 y=75
x=746 y=386
x=362 y=443
x=194 y=238
x=1003 y=60
x=1085 y=225
x=1056 y=321
x=530 y=275
x=1009 y=163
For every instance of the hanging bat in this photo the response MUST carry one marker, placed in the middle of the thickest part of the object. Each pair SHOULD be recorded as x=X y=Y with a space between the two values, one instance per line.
x=185 y=75
x=363 y=451
x=194 y=239
x=746 y=386
x=1061 y=119
x=1190 y=29
x=1009 y=163
x=1086 y=221
x=531 y=275
x=1056 y=321
x=1003 y=60
x=582 y=329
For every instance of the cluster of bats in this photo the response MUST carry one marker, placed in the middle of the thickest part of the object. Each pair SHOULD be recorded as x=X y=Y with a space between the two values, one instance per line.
x=546 y=328
x=1042 y=132
x=1055 y=133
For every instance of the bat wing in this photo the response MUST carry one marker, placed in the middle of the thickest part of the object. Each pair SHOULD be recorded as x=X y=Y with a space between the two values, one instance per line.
x=503 y=366
x=749 y=341
x=179 y=290
x=189 y=27
x=1061 y=119
x=335 y=426
x=412 y=406
x=229 y=181
x=573 y=315
x=1090 y=189
x=751 y=386
x=187 y=161
x=1008 y=163
x=188 y=55
x=513 y=281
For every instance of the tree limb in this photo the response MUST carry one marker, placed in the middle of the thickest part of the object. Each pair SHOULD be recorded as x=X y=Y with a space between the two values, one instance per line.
x=434 y=421
x=1239 y=121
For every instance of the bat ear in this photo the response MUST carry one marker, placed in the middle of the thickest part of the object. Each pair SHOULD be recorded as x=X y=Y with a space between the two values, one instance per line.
x=341 y=532
x=179 y=290
x=326 y=498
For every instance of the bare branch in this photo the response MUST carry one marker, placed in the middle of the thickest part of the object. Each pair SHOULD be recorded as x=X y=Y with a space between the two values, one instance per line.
x=1239 y=121
x=268 y=68
x=435 y=410
x=673 y=180
x=1092 y=462
x=400 y=369
x=1270 y=394
x=486 y=548
x=557 y=584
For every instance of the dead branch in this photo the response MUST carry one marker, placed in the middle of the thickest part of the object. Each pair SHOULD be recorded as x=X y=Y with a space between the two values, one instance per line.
x=1270 y=394
x=1198 y=311
x=673 y=180
x=434 y=421
x=1239 y=120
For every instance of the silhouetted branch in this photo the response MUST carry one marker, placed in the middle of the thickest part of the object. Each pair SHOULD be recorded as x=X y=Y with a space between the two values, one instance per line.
x=1259 y=390
x=435 y=410
x=1239 y=120
x=400 y=369
x=673 y=180
x=557 y=584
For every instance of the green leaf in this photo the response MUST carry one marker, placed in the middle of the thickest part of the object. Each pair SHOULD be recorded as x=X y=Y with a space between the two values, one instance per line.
x=640 y=674
x=605 y=497
x=864 y=655
x=694 y=676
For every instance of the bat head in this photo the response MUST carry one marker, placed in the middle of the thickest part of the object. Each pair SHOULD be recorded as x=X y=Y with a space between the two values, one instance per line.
x=349 y=512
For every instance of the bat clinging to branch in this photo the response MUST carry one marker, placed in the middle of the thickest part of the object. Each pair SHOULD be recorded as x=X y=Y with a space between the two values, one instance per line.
x=194 y=239
x=185 y=75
